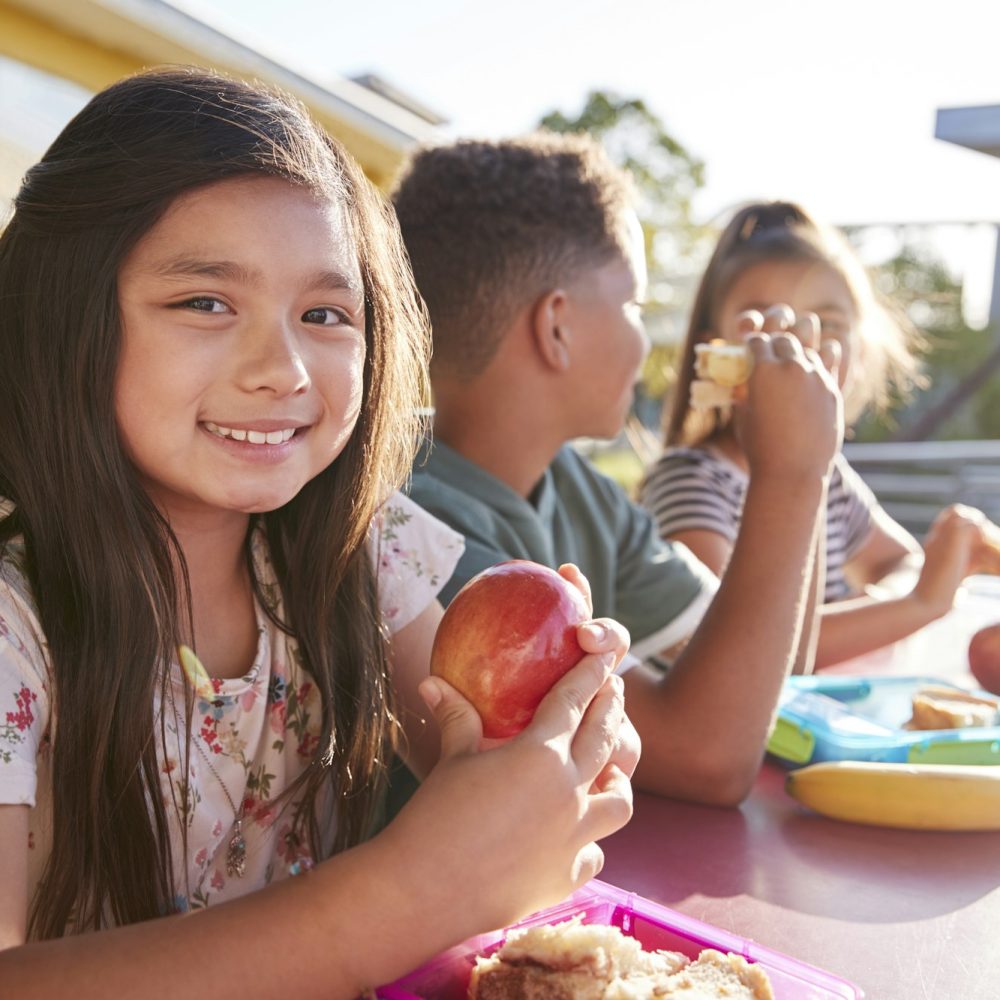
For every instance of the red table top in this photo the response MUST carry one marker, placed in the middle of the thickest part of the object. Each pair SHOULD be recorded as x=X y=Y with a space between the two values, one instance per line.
x=905 y=915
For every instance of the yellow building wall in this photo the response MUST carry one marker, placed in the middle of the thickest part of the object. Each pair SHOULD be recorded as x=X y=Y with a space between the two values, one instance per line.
x=29 y=37
x=31 y=40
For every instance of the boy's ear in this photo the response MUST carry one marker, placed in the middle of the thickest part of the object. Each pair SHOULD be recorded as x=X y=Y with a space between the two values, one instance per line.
x=550 y=329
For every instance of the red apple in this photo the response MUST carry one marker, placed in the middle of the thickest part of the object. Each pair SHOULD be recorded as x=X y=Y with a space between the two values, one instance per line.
x=508 y=635
x=984 y=658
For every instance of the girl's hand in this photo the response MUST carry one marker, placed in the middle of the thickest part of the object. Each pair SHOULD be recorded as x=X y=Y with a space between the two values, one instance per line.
x=604 y=635
x=953 y=548
x=791 y=422
x=512 y=829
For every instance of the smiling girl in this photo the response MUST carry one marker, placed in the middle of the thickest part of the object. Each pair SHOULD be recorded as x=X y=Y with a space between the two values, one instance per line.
x=213 y=605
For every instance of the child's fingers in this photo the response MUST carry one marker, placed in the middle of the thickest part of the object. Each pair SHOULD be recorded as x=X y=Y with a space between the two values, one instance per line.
x=806 y=330
x=561 y=711
x=571 y=572
x=604 y=635
x=624 y=758
x=830 y=353
x=987 y=548
x=459 y=724
x=778 y=318
x=824 y=370
x=787 y=347
x=965 y=528
x=587 y=865
x=628 y=749
x=749 y=321
x=759 y=346
x=609 y=809
x=612 y=782
x=597 y=736
x=761 y=351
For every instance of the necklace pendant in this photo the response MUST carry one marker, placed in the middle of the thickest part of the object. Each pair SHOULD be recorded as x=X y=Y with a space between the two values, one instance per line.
x=236 y=853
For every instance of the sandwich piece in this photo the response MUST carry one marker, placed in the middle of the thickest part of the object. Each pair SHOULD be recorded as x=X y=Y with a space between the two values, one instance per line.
x=946 y=708
x=577 y=961
x=722 y=362
x=719 y=368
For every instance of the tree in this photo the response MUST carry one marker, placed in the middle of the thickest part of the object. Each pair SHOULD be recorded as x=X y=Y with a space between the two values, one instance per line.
x=666 y=176
x=962 y=400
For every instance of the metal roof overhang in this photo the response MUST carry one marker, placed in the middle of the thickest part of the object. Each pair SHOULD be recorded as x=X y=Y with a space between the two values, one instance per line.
x=975 y=128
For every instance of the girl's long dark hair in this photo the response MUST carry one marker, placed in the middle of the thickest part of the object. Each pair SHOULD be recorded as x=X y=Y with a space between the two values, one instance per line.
x=100 y=558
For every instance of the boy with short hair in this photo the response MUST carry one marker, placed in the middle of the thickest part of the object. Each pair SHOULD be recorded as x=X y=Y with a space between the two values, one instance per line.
x=531 y=261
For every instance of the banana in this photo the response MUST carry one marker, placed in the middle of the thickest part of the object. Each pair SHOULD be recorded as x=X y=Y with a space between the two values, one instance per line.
x=907 y=796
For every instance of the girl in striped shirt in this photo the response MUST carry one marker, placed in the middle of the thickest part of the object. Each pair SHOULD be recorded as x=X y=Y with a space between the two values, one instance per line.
x=778 y=269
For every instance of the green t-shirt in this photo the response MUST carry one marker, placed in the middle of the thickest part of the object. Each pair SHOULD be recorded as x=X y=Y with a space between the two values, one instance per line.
x=658 y=590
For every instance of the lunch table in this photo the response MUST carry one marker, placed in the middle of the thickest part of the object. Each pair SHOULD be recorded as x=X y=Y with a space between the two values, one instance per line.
x=905 y=915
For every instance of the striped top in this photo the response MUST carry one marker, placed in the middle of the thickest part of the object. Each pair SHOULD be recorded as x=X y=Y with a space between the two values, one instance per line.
x=692 y=489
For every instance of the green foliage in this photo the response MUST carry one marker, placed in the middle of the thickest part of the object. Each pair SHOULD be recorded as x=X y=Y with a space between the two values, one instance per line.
x=962 y=400
x=666 y=177
x=659 y=372
x=622 y=464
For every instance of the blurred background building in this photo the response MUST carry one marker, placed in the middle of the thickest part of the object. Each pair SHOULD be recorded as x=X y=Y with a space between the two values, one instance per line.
x=976 y=128
x=54 y=54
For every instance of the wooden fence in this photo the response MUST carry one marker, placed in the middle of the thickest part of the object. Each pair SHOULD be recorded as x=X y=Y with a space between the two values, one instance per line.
x=914 y=480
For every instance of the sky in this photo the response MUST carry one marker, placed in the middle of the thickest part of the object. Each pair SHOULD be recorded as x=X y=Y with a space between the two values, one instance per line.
x=831 y=104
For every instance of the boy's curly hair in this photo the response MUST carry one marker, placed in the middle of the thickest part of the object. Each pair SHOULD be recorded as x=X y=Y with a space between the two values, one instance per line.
x=492 y=225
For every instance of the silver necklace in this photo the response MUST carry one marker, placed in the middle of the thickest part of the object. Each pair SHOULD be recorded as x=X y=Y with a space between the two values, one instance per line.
x=236 y=852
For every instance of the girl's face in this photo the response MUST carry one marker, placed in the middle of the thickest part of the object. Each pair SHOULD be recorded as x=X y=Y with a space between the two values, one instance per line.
x=806 y=286
x=243 y=346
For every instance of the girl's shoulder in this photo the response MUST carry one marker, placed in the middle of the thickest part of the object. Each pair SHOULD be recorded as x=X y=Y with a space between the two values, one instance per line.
x=683 y=461
x=414 y=555
x=15 y=590
x=847 y=485
x=682 y=455
x=23 y=655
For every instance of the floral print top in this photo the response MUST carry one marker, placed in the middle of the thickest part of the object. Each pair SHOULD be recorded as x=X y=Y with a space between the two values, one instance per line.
x=253 y=735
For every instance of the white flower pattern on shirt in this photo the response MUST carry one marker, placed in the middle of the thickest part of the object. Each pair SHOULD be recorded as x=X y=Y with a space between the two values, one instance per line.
x=254 y=736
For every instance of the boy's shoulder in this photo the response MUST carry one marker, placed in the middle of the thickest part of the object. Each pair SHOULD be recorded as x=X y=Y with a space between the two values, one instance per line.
x=457 y=491
x=589 y=494
x=445 y=482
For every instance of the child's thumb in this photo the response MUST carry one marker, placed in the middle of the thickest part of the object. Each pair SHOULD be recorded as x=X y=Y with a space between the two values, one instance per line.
x=459 y=724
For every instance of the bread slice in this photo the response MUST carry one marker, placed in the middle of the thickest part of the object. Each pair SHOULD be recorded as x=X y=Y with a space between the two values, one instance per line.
x=706 y=395
x=711 y=976
x=946 y=708
x=577 y=961
x=723 y=363
x=719 y=368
